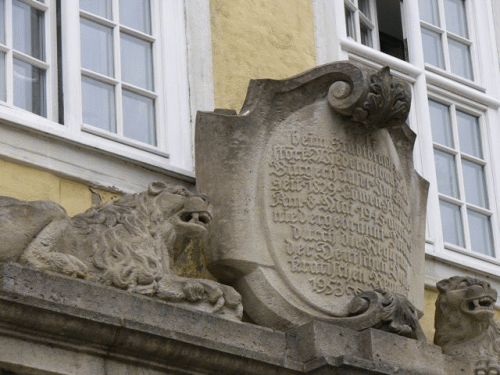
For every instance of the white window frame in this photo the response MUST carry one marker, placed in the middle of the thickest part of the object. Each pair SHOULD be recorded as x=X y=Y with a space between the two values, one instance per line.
x=49 y=65
x=69 y=151
x=361 y=19
x=472 y=26
x=481 y=97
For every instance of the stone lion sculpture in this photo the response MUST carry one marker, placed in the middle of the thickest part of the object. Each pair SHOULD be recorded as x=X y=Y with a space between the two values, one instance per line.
x=131 y=243
x=464 y=322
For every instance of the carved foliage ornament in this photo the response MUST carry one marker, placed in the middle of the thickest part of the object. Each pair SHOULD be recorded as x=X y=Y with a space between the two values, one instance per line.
x=385 y=104
x=132 y=243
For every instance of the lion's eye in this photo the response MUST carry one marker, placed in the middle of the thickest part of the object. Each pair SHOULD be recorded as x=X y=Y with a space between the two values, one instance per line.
x=463 y=284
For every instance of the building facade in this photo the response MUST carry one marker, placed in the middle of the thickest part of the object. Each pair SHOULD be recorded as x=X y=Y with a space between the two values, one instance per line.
x=99 y=97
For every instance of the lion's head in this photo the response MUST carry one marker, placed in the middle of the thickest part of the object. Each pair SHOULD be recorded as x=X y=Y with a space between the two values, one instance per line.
x=464 y=310
x=131 y=243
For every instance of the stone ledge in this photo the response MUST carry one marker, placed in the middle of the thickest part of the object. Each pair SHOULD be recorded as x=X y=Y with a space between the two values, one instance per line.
x=80 y=323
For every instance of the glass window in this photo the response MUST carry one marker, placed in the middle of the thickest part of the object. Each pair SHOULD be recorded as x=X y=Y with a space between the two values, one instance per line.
x=446 y=42
x=376 y=24
x=360 y=22
x=461 y=179
x=25 y=55
x=118 y=91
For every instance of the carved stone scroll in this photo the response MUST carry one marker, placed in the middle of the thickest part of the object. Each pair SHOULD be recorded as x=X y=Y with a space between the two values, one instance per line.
x=315 y=196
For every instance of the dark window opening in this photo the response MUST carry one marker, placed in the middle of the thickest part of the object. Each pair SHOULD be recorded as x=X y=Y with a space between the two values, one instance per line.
x=390 y=27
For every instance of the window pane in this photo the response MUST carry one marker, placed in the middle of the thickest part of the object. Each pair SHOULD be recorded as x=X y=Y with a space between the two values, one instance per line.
x=480 y=233
x=2 y=21
x=137 y=64
x=451 y=222
x=460 y=59
x=2 y=77
x=349 y=21
x=446 y=173
x=366 y=36
x=468 y=133
x=364 y=7
x=433 y=48
x=440 y=123
x=136 y=14
x=429 y=11
x=99 y=7
x=139 y=118
x=29 y=87
x=475 y=184
x=97 y=48
x=28 y=30
x=455 y=17
x=98 y=104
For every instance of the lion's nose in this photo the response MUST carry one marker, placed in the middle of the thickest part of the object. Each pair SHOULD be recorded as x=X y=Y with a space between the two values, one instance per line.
x=475 y=290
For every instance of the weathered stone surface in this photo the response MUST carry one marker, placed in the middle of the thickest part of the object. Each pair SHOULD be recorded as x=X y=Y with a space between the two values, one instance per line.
x=315 y=196
x=54 y=324
x=132 y=243
x=464 y=323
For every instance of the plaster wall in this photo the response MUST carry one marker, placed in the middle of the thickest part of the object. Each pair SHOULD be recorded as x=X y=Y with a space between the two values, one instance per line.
x=27 y=183
x=258 y=39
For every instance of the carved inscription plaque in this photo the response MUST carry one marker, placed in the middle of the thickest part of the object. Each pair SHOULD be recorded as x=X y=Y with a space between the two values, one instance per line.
x=315 y=196
x=337 y=208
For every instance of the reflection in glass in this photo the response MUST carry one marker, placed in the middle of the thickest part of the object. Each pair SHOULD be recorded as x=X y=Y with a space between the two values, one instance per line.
x=366 y=36
x=139 y=118
x=98 y=104
x=480 y=233
x=29 y=88
x=2 y=21
x=460 y=59
x=364 y=7
x=2 y=77
x=433 y=48
x=446 y=173
x=349 y=22
x=475 y=184
x=98 y=7
x=137 y=64
x=455 y=17
x=136 y=14
x=469 y=135
x=429 y=11
x=451 y=222
x=27 y=29
x=440 y=123
x=97 y=48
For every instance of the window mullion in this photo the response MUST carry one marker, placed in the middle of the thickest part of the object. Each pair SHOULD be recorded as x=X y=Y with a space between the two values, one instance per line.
x=460 y=177
x=117 y=69
x=9 y=63
x=51 y=59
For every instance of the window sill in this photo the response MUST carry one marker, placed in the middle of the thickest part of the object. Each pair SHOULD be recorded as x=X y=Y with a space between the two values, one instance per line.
x=446 y=263
x=37 y=141
x=369 y=55
x=454 y=77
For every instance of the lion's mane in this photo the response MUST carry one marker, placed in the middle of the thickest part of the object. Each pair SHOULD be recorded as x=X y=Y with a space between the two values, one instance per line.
x=126 y=238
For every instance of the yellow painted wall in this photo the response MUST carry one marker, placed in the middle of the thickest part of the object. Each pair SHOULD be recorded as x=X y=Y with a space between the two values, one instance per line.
x=258 y=39
x=26 y=183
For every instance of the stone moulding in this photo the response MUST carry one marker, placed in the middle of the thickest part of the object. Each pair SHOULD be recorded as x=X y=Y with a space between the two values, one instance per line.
x=292 y=230
x=70 y=327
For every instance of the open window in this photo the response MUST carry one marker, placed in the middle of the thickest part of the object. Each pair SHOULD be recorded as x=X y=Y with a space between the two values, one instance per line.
x=377 y=24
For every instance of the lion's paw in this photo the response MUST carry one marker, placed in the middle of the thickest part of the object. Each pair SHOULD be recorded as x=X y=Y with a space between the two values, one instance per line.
x=487 y=367
x=206 y=295
x=60 y=263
